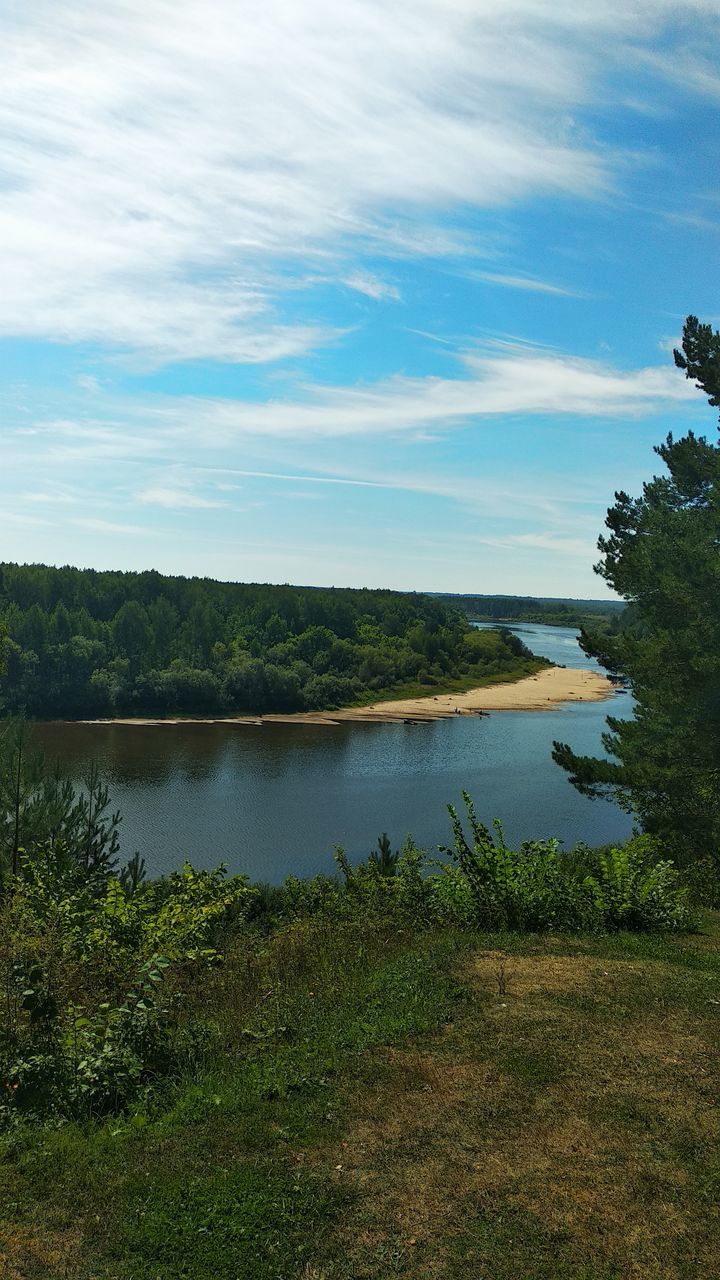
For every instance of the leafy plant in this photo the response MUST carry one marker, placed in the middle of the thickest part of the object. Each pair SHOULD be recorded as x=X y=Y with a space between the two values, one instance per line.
x=537 y=887
x=631 y=893
x=44 y=817
x=524 y=889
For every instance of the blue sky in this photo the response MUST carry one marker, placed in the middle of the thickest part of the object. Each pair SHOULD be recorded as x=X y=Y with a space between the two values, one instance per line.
x=356 y=294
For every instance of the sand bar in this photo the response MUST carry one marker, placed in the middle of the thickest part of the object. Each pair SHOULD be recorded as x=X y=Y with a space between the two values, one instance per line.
x=540 y=692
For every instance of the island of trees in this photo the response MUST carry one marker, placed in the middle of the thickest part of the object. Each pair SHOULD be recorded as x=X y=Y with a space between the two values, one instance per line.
x=81 y=643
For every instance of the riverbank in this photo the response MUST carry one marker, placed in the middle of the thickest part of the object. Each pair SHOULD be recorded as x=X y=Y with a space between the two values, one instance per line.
x=539 y=692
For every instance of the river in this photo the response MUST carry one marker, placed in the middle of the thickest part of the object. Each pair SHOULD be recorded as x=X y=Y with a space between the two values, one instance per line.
x=273 y=800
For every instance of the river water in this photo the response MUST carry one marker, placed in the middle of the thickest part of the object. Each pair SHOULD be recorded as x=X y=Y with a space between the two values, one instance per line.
x=273 y=800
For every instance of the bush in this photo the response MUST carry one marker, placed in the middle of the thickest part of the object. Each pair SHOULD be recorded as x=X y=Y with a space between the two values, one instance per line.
x=702 y=880
x=537 y=887
x=93 y=982
x=526 y=889
x=631 y=892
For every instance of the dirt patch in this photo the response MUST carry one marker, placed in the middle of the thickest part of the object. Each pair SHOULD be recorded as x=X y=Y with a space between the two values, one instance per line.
x=26 y=1251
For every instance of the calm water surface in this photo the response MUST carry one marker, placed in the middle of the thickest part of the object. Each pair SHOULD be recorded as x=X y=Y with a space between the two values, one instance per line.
x=273 y=800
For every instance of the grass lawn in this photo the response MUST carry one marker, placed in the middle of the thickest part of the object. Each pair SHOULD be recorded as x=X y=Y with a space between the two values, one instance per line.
x=439 y=1106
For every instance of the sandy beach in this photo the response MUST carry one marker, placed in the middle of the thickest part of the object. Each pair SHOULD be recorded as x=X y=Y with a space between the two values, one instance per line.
x=540 y=692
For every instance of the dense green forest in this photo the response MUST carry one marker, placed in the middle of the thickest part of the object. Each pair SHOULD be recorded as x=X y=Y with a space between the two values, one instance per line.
x=88 y=643
x=553 y=612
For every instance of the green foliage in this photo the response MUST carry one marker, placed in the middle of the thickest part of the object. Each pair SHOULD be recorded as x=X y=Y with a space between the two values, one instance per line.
x=388 y=886
x=84 y=643
x=488 y=885
x=700 y=357
x=702 y=878
x=661 y=554
x=383 y=857
x=91 y=963
x=89 y=1062
x=525 y=889
x=631 y=892
x=537 y=888
x=45 y=822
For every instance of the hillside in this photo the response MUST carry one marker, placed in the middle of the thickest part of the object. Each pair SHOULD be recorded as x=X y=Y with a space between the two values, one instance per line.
x=454 y=1105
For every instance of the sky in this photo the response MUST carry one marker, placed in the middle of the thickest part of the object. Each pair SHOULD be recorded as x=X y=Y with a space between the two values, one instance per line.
x=356 y=294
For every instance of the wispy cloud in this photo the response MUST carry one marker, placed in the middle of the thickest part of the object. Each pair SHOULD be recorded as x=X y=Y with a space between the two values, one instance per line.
x=498 y=498
x=177 y=499
x=528 y=283
x=94 y=525
x=494 y=383
x=371 y=286
x=523 y=382
x=557 y=544
x=166 y=162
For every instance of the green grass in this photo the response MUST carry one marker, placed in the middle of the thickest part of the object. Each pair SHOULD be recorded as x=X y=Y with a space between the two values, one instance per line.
x=381 y=1104
x=217 y=1178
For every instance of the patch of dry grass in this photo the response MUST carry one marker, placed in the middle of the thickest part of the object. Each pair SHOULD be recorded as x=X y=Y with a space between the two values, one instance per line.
x=567 y=1126
x=26 y=1251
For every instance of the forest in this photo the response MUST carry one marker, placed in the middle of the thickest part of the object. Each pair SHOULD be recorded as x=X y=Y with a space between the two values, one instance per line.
x=551 y=612
x=84 y=643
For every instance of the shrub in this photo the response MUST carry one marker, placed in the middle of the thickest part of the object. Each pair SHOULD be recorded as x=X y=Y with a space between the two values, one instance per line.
x=525 y=889
x=537 y=887
x=702 y=880
x=391 y=886
x=631 y=892
x=92 y=981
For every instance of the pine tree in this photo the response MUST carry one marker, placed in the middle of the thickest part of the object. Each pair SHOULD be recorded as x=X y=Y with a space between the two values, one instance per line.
x=662 y=554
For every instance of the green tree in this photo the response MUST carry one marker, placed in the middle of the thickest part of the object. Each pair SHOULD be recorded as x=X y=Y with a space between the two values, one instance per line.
x=131 y=631
x=42 y=815
x=662 y=554
x=163 y=621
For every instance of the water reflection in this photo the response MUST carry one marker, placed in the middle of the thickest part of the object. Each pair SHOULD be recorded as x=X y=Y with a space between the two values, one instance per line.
x=274 y=799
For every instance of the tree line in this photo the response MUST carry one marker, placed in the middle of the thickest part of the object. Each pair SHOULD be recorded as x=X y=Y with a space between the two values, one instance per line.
x=662 y=554
x=552 y=612
x=90 y=643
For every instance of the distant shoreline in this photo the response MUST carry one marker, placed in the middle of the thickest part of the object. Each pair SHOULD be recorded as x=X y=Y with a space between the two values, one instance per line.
x=540 y=692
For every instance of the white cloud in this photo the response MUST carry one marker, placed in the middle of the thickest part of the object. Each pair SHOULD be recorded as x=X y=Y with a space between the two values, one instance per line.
x=528 y=283
x=557 y=544
x=500 y=382
x=176 y=499
x=111 y=526
x=500 y=498
x=167 y=162
x=371 y=286
x=521 y=382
